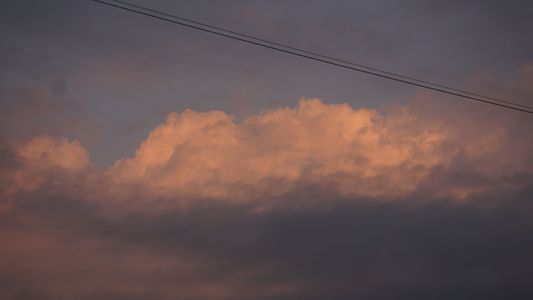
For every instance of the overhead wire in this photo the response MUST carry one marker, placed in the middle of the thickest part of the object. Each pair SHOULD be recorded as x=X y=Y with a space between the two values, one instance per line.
x=315 y=56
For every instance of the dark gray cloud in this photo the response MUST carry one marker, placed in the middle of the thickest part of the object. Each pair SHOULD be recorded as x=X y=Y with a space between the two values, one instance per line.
x=58 y=247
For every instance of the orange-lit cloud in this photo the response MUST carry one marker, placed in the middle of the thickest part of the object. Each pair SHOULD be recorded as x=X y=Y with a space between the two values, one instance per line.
x=210 y=155
x=36 y=159
x=355 y=152
x=46 y=152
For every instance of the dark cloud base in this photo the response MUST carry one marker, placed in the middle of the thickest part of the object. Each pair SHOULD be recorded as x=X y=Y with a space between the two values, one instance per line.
x=58 y=246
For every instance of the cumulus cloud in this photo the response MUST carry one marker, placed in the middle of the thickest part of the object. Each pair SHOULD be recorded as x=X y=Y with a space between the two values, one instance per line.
x=357 y=151
x=209 y=154
x=32 y=163
x=45 y=152
x=316 y=201
x=354 y=152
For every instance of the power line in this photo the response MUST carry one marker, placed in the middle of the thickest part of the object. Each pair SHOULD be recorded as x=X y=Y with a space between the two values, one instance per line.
x=315 y=56
x=320 y=55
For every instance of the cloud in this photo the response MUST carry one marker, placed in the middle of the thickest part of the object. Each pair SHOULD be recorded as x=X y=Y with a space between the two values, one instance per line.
x=346 y=249
x=209 y=153
x=30 y=165
x=45 y=152
x=318 y=201
x=359 y=152
x=427 y=146
x=350 y=152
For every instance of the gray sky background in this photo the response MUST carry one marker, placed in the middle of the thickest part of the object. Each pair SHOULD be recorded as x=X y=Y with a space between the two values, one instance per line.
x=106 y=77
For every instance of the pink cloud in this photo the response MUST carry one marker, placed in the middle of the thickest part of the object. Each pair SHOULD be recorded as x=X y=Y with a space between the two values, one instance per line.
x=210 y=155
x=356 y=152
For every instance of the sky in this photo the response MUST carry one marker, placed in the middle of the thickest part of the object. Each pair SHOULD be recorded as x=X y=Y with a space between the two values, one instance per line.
x=143 y=160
